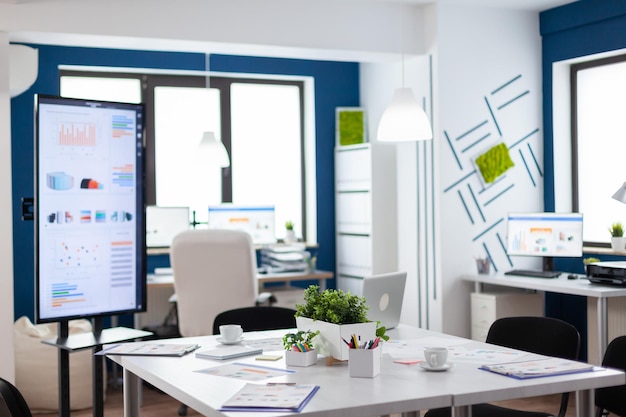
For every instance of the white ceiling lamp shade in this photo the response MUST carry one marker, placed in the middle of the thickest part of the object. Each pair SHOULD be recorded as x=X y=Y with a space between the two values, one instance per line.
x=212 y=151
x=620 y=194
x=404 y=119
x=23 y=68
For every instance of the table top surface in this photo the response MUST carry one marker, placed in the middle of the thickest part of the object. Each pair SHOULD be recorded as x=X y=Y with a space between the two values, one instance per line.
x=581 y=286
x=398 y=388
x=168 y=279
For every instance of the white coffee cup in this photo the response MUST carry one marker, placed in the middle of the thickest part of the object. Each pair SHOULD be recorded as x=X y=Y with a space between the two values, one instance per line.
x=436 y=357
x=231 y=332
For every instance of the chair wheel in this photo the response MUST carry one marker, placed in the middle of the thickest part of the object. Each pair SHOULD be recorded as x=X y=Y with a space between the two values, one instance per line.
x=182 y=410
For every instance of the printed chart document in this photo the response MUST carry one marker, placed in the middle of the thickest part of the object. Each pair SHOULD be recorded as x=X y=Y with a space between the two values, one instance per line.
x=271 y=397
x=246 y=371
x=538 y=368
x=228 y=352
x=148 y=349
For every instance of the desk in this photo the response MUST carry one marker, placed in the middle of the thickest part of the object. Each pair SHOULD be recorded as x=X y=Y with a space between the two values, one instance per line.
x=161 y=288
x=561 y=285
x=157 y=281
x=398 y=389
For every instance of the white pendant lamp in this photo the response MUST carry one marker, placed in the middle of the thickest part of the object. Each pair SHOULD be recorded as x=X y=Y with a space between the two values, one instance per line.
x=404 y=120
x=620 y=194
x=23 y=68
x=212 y=151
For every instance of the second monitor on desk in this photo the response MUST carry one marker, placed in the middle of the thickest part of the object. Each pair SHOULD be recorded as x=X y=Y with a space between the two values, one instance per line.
x=545 y=235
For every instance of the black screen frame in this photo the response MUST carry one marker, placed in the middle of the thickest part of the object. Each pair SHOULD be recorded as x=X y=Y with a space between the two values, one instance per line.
x=140 y=257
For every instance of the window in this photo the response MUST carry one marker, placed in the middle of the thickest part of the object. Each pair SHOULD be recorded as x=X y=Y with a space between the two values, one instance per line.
x=260 y=122
x=598 y=144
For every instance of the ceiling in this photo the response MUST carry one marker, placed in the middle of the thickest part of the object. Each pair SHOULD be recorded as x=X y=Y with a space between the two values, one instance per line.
x=530 y=5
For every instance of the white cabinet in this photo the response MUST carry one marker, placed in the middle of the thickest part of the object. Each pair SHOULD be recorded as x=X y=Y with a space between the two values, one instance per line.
x=365 y=201
x=487 y=307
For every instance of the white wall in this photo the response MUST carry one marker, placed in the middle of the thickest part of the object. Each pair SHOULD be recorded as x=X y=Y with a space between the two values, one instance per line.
x=487 y=49
x=7 y=369
x=492 y=57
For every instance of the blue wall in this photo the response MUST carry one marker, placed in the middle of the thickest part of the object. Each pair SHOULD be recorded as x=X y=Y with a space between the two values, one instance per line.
x=336 y=84
x=578 y=29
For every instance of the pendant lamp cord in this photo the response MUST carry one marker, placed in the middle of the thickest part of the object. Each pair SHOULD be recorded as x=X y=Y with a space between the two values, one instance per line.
x=402 y=44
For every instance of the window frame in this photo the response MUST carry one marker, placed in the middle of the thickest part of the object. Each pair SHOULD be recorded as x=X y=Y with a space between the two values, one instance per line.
x=221 y=82
x=574 y=69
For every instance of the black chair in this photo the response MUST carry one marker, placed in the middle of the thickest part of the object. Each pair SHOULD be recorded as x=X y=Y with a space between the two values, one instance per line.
x=541 y=335
x=613 y=399
x=12 y=403
x=253 y=319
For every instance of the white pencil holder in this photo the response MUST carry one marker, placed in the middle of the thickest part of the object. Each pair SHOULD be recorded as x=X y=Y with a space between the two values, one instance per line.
x=295 y=358
x=364 y=363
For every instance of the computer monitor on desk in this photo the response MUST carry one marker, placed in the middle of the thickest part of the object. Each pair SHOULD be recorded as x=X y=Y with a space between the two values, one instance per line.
x=545 y=235
x=257 y=220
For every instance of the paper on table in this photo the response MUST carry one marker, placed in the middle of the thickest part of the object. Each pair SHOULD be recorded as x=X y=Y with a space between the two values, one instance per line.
x=484 y=355
x=544 y=366
x=257 y=397
x=414 y=348
x=148 y=349
x=246 y=371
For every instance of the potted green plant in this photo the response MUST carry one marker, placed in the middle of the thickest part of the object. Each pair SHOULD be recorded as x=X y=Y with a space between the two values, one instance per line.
x=290 y=234
x=337 y=315
x=300 y=348
x=618 y=242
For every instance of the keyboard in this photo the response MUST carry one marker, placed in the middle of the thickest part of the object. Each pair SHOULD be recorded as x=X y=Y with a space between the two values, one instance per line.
x=533 y=273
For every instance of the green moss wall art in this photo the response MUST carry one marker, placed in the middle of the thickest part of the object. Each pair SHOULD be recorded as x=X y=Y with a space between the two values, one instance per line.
x=493 y=163
x=350 y=126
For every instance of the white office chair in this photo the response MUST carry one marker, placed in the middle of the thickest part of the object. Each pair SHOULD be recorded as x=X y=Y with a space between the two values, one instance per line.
x=214 y=271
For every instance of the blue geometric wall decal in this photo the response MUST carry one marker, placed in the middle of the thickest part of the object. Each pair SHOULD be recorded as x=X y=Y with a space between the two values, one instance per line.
x=493 y=128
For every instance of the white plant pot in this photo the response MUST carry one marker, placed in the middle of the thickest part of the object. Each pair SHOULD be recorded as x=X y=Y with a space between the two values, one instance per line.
x=295 y=358
x=618 y=243
x=330 y=341
x=290 y=236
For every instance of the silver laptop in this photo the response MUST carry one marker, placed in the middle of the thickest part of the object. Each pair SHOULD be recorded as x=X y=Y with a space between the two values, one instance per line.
x=384 y=294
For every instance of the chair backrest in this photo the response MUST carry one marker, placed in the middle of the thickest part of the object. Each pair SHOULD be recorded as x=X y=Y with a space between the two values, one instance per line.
x=12 y=403
x=613 y=399
x=541 y=335
x=257 y=318
x=214 y=271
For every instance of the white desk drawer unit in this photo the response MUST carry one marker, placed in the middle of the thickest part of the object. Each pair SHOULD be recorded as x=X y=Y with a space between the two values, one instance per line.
x=487 y=307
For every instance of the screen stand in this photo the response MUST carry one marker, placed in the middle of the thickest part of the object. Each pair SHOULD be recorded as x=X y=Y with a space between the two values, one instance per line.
x=548 y=263
x=95 y=340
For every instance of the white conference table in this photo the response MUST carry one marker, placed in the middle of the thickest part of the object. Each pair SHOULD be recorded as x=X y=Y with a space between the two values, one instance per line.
x=399 y=388
x=561 y=285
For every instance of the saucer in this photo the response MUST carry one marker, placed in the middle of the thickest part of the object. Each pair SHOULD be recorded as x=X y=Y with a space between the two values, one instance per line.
x=425 y=366
x=234 y=342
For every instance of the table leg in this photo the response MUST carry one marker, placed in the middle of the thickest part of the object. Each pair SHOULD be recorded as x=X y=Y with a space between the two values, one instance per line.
x=585 y=403
x=603 y=326
x=478 y=287
x=132 y=385
x=462 y=411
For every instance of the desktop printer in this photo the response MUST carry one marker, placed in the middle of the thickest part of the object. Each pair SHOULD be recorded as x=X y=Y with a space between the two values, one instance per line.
x=607 y=272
